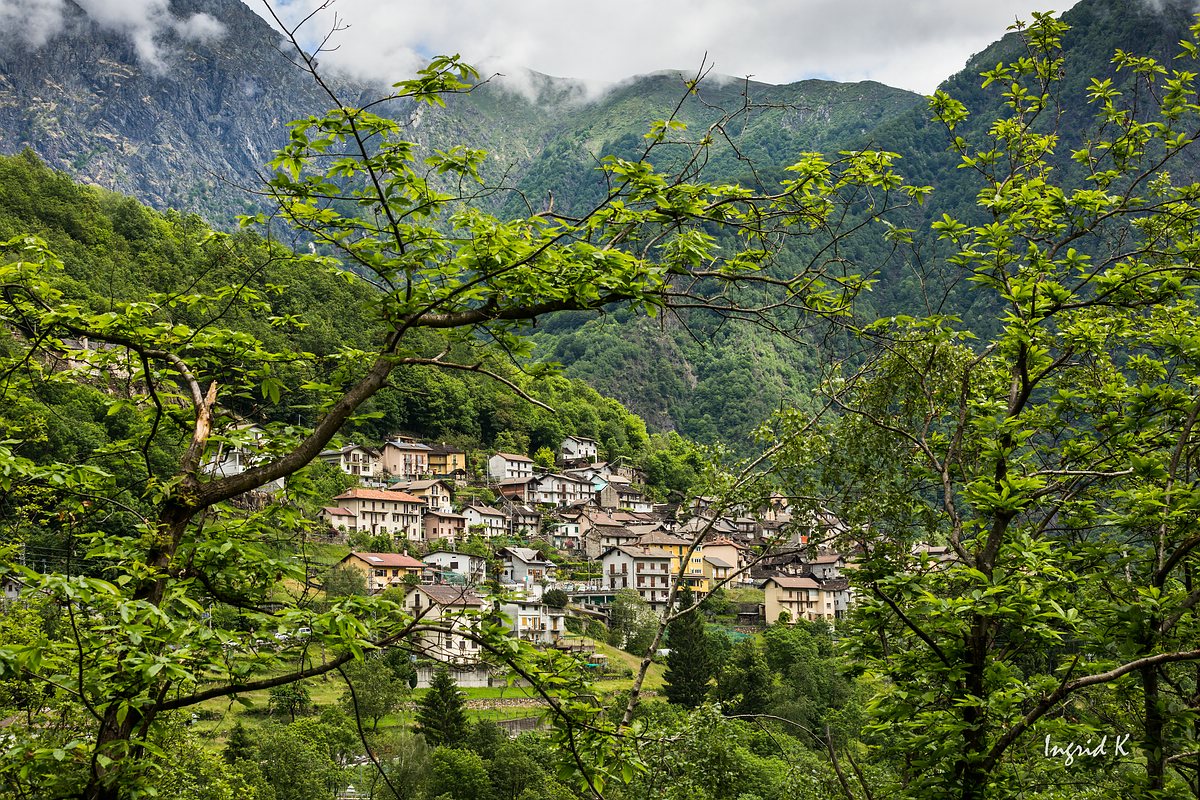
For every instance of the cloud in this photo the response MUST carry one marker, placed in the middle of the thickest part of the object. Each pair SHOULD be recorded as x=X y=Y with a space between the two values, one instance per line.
x=33 y=21
x=149 y=24
x=913 y=45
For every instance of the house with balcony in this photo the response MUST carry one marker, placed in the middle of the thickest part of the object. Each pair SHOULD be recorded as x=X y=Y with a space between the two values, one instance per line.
x=531 y=620
x=518 y=490
x=494 y=522
x=560 y=490
x=404 y=459
x=353 y=459
x=382 y=511
x=801 y=597
x=647 y=570
x=454 y=609
x=448 y=463
x=523 y=521
x=444 y=526
x=436 y=493
x=687 y=562
x=469 y=570
x=524 y=566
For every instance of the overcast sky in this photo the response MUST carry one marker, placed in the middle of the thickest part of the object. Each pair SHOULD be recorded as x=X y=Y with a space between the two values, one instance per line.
x=912 y=45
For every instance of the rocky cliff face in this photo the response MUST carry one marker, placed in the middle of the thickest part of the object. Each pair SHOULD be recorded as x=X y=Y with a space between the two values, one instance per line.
x=187 y=133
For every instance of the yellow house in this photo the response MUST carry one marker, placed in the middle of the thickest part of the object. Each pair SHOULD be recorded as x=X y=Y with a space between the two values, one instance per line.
x=800 y=597
x=693 y=574
x=447 y=461
x=385 y=570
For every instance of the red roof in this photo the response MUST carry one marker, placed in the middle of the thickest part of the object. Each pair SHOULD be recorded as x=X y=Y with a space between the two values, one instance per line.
x=379 y=494
x=388 y=560
x=338 y=511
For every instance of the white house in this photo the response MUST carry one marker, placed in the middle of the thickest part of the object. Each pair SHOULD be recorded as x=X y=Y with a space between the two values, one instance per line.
x=353 y=459
x=506 y=466
x=561 y=490
x=524 y=566
x=494 y=522
x=577 y=448
x=531 y=620
x=471 y=569
x=455 y=608
x=338 y=518
x=239 y=450
x=567 y=532
x=644 y=569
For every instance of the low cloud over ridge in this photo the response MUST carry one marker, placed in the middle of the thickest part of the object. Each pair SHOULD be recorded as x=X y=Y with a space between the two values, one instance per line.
x=149 y=24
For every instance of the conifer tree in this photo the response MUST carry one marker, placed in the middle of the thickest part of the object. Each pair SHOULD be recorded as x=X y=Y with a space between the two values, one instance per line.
x=441 y=715
x=689 y=668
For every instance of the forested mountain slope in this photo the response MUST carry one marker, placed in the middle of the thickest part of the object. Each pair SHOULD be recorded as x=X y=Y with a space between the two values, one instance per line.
x=193 y=133
x=114 y=249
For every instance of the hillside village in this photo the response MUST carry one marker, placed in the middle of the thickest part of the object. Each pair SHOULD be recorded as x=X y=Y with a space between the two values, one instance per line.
x=451 y=530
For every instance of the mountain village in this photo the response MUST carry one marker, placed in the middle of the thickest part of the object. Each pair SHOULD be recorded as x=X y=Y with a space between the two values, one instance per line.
x=419 y=503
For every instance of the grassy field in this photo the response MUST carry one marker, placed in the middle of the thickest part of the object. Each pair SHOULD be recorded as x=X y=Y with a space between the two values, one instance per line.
x=216 y=718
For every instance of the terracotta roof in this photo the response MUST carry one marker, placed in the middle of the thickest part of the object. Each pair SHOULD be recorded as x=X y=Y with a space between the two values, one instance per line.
x=337 y=511
x=379 y=494
x=514 y=457
x=388 y=560
x=450 y=595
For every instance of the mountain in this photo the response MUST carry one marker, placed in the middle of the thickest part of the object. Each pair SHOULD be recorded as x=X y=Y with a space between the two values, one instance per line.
x=191 y=127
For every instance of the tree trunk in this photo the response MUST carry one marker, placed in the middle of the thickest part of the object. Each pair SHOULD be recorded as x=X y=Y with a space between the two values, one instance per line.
x=1152 y=745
